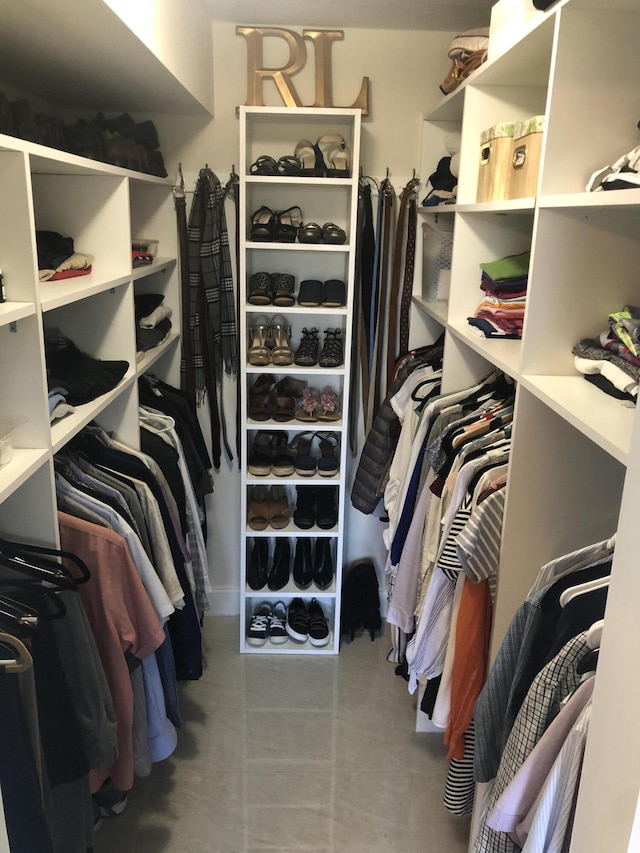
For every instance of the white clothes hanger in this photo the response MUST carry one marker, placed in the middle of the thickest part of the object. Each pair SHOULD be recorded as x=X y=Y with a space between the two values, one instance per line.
x=594 y=634
x=589 y=586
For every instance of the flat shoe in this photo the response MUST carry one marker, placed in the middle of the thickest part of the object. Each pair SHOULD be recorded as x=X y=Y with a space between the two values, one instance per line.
x=311 y=293
x=289 y=166
x=310 y=233
x=260 y=289
x=264 y=165
x=332 y=233
x=333 y=293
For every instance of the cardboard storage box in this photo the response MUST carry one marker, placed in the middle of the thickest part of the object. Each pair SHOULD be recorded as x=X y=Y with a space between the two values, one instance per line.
x=495 y=162
x=525 y=158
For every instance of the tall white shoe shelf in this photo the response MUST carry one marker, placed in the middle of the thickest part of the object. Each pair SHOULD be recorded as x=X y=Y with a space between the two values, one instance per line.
x=575 y=467
x=275 y=132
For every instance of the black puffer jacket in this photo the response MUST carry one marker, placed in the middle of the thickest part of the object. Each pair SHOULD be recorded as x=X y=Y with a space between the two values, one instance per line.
x=380 y=444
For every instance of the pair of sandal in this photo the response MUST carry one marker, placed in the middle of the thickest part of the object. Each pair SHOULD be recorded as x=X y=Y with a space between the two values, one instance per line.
x=316 y=505
x=306 y=464
x=280 y=226
x=275 y=288
x=267 y=507
x=329 y=233
x=268 y=166
x=329 y=157
x=270 y=342
x=276 y=400
x=332 y=354
x=271 y=454
x=313 y=293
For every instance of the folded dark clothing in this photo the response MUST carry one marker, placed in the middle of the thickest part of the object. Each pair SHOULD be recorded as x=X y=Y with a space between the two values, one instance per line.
x=589 y=348
x=145 y=303
x=150 y=338
x=609 y=388
x=492 y=330
x=83 y=377
x=53 y=249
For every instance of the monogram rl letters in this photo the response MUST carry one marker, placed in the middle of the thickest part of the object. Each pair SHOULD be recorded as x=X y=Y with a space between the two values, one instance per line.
x=322 y=41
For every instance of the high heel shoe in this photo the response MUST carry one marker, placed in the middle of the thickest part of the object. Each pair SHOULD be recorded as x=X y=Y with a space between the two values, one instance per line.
x=311 y=165
x=263 y=225
x=336 y=155
x=278 y=576
x=286 y=225
x=327 y=510
x=258 y=354
x=305 y=463
x=281 y=354
x=260 y=461
x=282 y=463
x=328 y=464
x=302 y=564
x=323 y=564
x=257 y=566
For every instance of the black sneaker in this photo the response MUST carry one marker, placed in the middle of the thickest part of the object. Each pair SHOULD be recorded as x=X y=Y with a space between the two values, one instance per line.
x=318 y=628
x=257 y=635
x=276 y=630
x=110 y=800
x=298 y=621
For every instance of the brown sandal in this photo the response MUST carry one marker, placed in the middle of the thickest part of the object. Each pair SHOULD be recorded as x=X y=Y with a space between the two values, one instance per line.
x=260 y=398
x=280 y=513
x=287 y=391
x=258 y=508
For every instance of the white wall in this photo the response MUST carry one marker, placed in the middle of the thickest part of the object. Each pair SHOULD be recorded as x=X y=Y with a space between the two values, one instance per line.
x=405 y=69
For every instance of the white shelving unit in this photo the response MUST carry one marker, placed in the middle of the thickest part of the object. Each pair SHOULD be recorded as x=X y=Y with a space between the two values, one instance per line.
x=575 y=465
x=275 y=132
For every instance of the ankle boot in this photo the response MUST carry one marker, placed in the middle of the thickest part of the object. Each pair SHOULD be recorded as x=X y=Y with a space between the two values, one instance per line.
x=302 y=565
x=304 y=515
x=327 y=508
x=278 y=577
x=323 y=564
x=257 y=566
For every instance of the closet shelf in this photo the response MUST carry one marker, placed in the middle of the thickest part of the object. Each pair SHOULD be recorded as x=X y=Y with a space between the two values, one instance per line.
x=437 y=310
x=63 y=431
x=436 y=209
x=152 y=355
x=294 y=369
x=293 y=179
x=55 y=294
x=505 y=355
x=291 y=648
x=292 y=590
x=608 y=199
x=298 y=426
x=295 y=479
x=601 y=418
x=514 y=205
x=298 y=247
x=292 y=530
x=16 y=472
x=295 y=309
x=11 y=312
x=158 y=265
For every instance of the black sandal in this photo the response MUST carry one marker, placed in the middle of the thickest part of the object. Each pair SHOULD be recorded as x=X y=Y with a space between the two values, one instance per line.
x=305 y=463
x=332 y=354
x=287 y=224
x=310 y=295
x=264 y=165
x=263 y=225
x=289 y=166
x=283 y=288
x=260 y=289
x=333 y=293
x=283 y=464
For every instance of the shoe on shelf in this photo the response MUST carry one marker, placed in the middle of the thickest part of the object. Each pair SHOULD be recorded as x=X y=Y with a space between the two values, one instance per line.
x=335 y=154
x=260 y=398
x=264 y=165
x=260 y=288
x=297 y=621
x=287 y=223
x=304 y=515
x=278 y=576
x=333 y=234
x=279 y=507
x=318 y=630
x=307 y=352
x=282 y=289
x=310 y=295
x=328 y=409
x=328 y=463
x=276 y=629
x=302 y=564
x=258 y=508
x=327 y=509
x=257 y=565
x=310 y=232
x=305 y=463
x=310 y=405
x=311 y=166
x=289 y=166
x=282 y=463
x=323 y=564
x=286 y=392
x=281 y=354
x=263 y=225
x=260 y=456
x=257 y=634
x=332 y=354
x=333 y=293
x=258 y=354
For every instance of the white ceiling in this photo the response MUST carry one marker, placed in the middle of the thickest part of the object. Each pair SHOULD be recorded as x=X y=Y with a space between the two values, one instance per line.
x=338 y=14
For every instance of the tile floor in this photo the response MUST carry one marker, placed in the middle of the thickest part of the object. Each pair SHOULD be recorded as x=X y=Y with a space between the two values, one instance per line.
x=292 y=754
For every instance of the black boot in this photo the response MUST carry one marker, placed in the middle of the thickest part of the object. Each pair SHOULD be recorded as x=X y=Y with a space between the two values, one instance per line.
x=302 y=566
x=304 y=515
x=323 y=564
x=257 y=567
x=279 y=574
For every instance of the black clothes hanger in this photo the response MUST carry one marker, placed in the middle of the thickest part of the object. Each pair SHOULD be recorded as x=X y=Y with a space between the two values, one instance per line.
x=16 y=590
x=31 y=560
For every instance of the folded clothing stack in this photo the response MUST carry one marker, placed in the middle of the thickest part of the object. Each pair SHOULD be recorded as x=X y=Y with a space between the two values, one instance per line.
x=58 y=405
x=501 y=312
x=611 y=361
x=57 y=257
x=84 y=378
x=153 y=321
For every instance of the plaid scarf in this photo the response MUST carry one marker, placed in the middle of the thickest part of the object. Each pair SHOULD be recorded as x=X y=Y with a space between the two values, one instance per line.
x=210 y=268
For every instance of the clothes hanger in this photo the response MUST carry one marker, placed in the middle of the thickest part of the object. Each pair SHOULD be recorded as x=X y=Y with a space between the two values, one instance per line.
x=22 y=661
x=10 y=591
x=32 y=560
x=594 y=634
x=582 y=588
